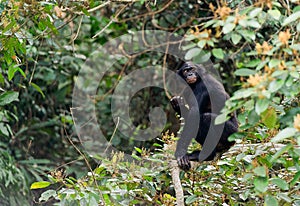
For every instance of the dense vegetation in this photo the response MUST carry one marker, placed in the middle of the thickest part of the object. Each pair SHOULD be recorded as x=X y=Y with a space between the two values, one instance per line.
x=254 y=45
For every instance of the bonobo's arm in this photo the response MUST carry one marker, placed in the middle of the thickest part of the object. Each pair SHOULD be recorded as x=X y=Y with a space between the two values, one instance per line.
x=189 y=132
x=178 y=105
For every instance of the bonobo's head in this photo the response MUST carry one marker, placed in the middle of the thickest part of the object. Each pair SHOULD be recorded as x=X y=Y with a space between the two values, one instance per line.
x=189 y=73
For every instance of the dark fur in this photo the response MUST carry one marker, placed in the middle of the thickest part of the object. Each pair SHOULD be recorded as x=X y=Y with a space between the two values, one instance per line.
x=210 y=97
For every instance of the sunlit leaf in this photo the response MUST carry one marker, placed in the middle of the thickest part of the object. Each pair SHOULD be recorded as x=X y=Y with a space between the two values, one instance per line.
x=191 y=199
x=38 y=89
x=201 y=43
x=45 y=196
x=11 y=72
x=192 y=53
x=276 y=85
x=40 y=185
x=218 y=53
x=261 y=105
x=261 y=184
x=291 y=18
x=244 y=72
x=255 y=12
x=280 y=152
x=275 y=14
x=228 y=28
x=282 y=184
x=270 y=201
x=260 y=171
x=269 y=118
x=283 y=134
x=202 y=57
x=236 y=38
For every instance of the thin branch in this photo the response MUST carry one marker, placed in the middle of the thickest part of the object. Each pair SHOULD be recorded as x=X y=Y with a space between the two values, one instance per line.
x=99 y=7
x=113 y=135
x=164 y=71
x=148 y=13
x=114 y=19
x=77 y=33
x=176 y=182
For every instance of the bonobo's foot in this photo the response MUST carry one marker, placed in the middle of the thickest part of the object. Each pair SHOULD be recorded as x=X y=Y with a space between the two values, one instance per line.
x=177 y=102
x=184 y=162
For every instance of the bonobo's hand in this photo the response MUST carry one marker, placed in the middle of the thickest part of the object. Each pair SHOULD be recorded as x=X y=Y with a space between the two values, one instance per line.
x=184 y=162
x=177 y=102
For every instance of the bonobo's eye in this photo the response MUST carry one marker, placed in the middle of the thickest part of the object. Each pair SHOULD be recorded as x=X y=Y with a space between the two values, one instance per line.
x=186 y=70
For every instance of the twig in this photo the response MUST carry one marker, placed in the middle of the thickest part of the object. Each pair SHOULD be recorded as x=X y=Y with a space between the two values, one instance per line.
x=113 y=135
x=114 y=19
x=164 y=71
x=99 y=7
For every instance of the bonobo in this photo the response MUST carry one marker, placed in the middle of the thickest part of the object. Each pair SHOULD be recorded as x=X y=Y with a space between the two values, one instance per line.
x=199 y=108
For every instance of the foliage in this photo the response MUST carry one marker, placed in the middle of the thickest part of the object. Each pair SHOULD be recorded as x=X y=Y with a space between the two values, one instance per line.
x=255 y=46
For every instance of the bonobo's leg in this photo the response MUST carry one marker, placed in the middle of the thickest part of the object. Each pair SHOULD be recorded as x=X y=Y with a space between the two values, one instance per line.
x=228 y=128
x=194 y=156
x=219 y=134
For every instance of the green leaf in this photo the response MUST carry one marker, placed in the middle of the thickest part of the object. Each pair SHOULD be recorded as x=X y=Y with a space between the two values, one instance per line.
x=275 y=14
x=243 y=93
x=282 y=184
x=2 y=80
x=261 y=184
x=255 y=12
x=269 y=118
x=260 y=171
x=276 y=85
x=201 y=43
x=261 y=105
x=36 y=87
x=247 y=34
x=283 y=134
x=291 y=18
x=45 y=196
x=221 y=118
x=295 y=179
x=9 y=26
x=8 y=97
x=274 y=62
x=228 y=27
x=270 y=201
x=138 y=150
x=192 y=53
x=285 y=197
x=218 y=53
x=279 y=73
x=236 y=38
x=202 y=57
x=244 y=72
x=254 y=24
x=253 y=118
x=40 y=185
x=280 y=152
x=191 y=199
x=11 y=72
x=294 y=74
x=189 y=46
x=253 y=63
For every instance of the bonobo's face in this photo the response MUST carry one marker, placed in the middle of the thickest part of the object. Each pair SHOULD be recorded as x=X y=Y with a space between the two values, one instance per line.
x=188 y=73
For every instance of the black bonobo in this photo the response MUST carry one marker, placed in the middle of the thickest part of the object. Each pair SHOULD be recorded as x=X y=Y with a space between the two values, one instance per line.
x=199 y=108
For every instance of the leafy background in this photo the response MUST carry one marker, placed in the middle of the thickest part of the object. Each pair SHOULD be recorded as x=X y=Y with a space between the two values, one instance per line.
x=253 y=44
